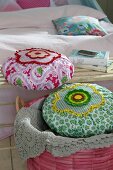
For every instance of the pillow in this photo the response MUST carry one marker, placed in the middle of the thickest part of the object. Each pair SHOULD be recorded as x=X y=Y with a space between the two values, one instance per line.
x=33 y=3
x=38 y=69
x=79 y=110
x=78 y=25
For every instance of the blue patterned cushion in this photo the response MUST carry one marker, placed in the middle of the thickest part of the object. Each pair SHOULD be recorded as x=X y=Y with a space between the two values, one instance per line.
x=78 y=25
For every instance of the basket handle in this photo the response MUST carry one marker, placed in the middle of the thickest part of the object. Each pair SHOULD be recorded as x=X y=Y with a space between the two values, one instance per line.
x=19 y=103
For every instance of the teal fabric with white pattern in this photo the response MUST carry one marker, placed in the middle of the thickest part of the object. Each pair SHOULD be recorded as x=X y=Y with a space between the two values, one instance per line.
x=79 y=110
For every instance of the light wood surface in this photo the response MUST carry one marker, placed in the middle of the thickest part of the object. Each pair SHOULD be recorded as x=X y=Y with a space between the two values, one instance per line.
x=85 y=75
x=9 y=158
x=5 y=155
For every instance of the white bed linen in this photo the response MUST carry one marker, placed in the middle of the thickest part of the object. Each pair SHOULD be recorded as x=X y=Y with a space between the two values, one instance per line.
x=107 y=26
x=42 y=17
x=52 y=2
x=62 y=44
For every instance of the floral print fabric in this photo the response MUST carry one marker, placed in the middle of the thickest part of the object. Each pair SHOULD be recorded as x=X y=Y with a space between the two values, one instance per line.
x=79 y=110
x=78 y=25
x=38 y=69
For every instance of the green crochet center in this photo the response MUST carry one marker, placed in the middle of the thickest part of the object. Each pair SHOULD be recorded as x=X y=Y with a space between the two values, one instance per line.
x=77 y=97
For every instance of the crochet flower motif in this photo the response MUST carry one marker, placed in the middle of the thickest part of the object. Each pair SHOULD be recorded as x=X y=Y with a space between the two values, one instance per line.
x=36 y=56
x=77 y=97
x=77 y=100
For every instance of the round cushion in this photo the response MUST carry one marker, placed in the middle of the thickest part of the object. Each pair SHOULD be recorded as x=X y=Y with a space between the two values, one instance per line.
x=33 y=3
x=79 y=110
x=38 y=69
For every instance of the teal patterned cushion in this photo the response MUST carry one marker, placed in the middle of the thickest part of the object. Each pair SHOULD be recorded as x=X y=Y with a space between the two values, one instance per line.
x=79 y=110
x=78 y=25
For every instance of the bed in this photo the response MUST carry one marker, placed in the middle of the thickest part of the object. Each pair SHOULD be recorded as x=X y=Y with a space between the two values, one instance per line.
x=17 y=5
x=25 y=29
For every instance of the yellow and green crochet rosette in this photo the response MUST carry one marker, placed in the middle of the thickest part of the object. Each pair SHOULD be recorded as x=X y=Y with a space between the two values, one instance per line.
x=79 y=110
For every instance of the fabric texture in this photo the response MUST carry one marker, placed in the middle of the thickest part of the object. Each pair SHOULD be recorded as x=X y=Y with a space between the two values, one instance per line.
x=30 y=38
x=44 y=16
x=61 y=2
x=33 y=136
x=9 y=5
x=78 y=25
x=93 y=4
x=25 y=4
x=79 y=110
x=38 y=69
x=107 y=26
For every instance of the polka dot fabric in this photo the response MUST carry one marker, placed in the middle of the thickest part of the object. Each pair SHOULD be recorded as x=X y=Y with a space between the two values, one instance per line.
x=79 y=110
x=33 y=3
x=38 y=69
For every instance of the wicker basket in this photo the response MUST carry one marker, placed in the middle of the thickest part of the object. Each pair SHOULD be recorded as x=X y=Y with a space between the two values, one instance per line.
x=93 y=159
